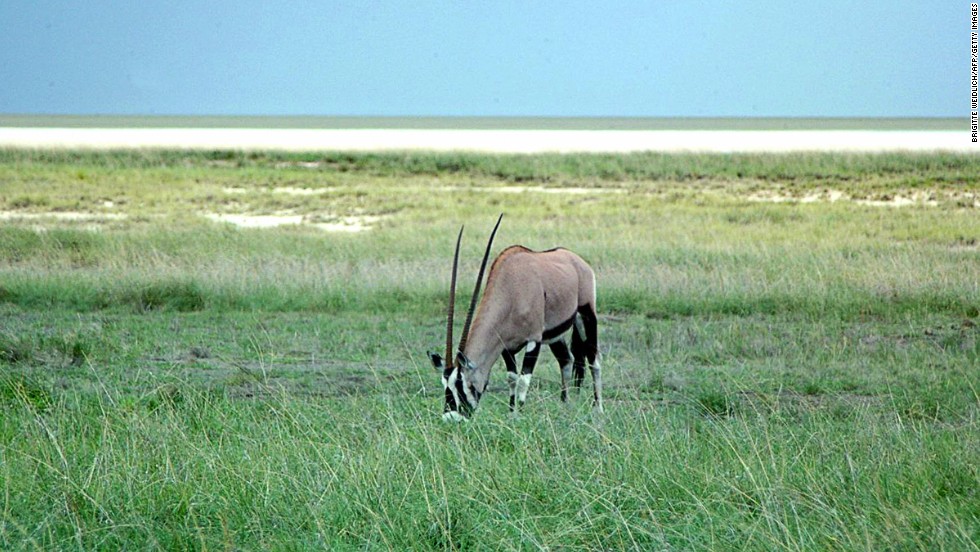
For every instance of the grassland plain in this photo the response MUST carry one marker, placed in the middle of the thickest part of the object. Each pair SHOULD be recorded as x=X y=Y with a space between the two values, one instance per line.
x=206 y=350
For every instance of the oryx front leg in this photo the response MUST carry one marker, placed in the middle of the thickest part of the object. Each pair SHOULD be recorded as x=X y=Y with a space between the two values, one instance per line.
x=512 y=376
x=527 y=368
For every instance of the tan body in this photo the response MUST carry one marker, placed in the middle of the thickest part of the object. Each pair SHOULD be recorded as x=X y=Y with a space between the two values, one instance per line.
x=527 y=293
x=532 y=298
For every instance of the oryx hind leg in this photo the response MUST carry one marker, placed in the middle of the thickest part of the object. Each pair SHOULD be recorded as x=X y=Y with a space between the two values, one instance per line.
x=588 y=324
x=579 y=351
x=560 y=350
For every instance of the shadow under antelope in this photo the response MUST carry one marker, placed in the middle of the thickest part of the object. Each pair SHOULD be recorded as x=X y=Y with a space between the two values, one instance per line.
x=532 y=298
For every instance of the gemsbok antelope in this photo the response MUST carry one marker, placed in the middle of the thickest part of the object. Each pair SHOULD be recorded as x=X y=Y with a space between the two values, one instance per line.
x=532 y=298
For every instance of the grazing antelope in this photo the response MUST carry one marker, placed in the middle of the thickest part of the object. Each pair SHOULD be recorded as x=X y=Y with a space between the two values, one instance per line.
x=532 y=298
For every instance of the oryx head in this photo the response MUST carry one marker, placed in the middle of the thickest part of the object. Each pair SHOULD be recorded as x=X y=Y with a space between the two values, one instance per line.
x=462 y=393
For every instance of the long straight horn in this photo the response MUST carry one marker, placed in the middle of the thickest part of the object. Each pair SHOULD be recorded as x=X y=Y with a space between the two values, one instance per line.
x=476 y=290
x=452 y=305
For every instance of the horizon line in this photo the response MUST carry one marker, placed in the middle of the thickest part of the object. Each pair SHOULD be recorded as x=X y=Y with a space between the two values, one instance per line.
x=480 y=122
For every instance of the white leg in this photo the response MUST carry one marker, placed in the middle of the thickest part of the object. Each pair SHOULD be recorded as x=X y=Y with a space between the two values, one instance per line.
x=523 y=382
x=597 y=384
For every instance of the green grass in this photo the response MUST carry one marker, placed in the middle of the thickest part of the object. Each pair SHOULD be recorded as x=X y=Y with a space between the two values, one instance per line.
x=800 y=169
x=778 y=375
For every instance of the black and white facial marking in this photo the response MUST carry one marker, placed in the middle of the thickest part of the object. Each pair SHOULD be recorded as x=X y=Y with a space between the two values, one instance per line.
x=462 y=397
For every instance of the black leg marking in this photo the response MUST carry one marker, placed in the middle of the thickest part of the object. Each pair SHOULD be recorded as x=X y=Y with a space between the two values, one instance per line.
x=527 y=368
x=560 y=350
x=530 y=359
x=580 y=352
x=590 y=347
x=511 y=362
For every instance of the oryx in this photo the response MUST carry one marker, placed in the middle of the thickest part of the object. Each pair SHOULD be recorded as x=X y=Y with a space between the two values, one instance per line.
x=532 y=298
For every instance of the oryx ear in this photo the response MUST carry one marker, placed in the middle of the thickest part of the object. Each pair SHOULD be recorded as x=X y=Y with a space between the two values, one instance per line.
x=463 y=362
x=437 y=361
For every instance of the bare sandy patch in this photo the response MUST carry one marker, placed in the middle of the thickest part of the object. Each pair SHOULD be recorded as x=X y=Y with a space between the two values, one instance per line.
x=285 y=190
x=531 y=190
x=832 y=196
x=557 y=191
x=256 y=221
x=295 y=191
x=289 y=190
x=42 y=222
x=64 y=216
x=349 y=224
x=299 y=164
x=829 y=196
x=917 y=198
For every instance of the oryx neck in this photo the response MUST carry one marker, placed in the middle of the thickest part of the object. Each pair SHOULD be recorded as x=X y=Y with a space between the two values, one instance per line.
x=483 y=348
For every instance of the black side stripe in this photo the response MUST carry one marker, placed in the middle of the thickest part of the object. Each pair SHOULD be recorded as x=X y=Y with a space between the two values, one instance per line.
x=558 y=330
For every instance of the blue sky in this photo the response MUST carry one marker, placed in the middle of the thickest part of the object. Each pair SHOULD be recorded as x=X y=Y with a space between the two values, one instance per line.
x=632 y=59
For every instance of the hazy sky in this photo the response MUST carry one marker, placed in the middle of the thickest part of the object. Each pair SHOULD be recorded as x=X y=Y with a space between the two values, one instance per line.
x=523 y=58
